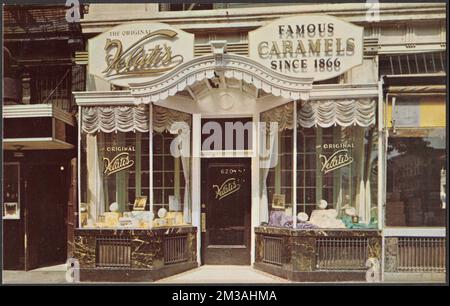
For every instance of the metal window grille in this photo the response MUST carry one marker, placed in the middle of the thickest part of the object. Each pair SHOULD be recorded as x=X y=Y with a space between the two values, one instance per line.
x=341 y=253
x=272 y=250
x=113 y=252
x=421 y=254
x=175 y=249
x=415 y=63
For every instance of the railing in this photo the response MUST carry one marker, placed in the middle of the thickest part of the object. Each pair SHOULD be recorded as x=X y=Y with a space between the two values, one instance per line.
x=415 y=63
x=175 y=249
x=272 y=247
x=341 y=253
x=113 y=252
x=52 y=87
x=421 y=254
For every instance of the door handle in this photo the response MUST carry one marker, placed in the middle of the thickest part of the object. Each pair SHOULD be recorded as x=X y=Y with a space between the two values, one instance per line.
x=203 y=222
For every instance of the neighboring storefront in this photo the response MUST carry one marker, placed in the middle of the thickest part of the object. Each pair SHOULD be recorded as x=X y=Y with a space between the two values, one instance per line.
x=298 y=190
x=39 y=134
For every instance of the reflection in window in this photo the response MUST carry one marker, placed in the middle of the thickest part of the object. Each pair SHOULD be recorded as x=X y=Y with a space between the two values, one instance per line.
x=415 y=169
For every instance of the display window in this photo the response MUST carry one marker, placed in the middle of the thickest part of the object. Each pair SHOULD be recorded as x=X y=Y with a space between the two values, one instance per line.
x=131 y=178
x=116 y=171
x=337 y=177
x=326 y=170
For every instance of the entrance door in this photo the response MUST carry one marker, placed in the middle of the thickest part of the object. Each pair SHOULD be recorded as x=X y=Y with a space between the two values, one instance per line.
x=46 y=209
x=226 y=211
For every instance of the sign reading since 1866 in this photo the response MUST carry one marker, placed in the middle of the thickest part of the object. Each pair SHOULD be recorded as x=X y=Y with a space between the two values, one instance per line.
x=320 y=47
x=132 y=53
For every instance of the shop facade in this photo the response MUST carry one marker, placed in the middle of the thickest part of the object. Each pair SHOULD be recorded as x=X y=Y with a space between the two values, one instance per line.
x=263 y=143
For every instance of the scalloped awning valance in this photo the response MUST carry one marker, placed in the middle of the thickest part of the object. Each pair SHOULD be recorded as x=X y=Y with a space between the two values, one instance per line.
x=324 y=113
x=109 y=119
x=163 y=118
x=327 y=113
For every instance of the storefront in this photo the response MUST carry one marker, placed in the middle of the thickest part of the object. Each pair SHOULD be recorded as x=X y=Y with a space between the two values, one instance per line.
x=275 y=158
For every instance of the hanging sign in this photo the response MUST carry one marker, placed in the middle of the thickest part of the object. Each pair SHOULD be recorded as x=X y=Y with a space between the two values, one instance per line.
x=315 y=46
x=138 y=52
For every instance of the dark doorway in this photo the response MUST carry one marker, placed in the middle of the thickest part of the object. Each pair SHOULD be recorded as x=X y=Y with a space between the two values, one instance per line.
x=47 y=189
x=226 y=211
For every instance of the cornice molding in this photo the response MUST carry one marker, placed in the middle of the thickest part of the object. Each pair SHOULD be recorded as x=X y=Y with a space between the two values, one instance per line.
x=98 y=21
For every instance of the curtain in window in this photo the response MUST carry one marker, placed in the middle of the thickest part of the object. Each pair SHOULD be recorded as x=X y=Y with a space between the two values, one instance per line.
x=268 y=158
x=95 y=194
x=284 y=115
x=163 y=118
x=182 y=128
x=326 y=113
x=110 y=119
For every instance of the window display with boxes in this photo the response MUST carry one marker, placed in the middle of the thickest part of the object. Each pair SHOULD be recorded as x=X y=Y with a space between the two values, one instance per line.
x=334 y=146
x=120 y=164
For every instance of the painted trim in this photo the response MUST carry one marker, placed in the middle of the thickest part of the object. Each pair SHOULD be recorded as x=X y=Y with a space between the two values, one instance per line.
x=244 y=18
x=196 y=179
x=79 y=167
x=95 y=98
x=37 y=139
x=151 y=134
x=414 y=232
x=228 y=65
x=255 y=200
x=294 y=169
x=318 y=92
x=37 y=111
x=227 y=153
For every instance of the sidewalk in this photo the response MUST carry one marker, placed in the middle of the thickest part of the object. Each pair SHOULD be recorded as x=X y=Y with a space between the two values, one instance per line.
x=223 y=275
x=46 y=275
x=203 y=274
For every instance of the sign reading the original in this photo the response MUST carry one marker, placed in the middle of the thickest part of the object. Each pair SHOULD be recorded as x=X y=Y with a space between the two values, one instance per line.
x=121 y=161
x=138 y=52
x=319 y=47
x=338 y=159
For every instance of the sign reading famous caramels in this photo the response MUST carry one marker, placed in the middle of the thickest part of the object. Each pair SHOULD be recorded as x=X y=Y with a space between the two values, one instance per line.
x=138 y=52
x=316 y=46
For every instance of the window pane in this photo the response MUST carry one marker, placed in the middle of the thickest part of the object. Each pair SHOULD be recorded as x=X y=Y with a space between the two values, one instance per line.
x=415 y=191
x=277 y=182
x=115 y=192
x=337 y=165
x=169 y=175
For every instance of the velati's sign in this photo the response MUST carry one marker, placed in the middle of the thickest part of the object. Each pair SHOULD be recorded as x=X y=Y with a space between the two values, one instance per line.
x=138 y=52
x=119 y=162
x=338 y=159
x=228 y=187
x=316 y=46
